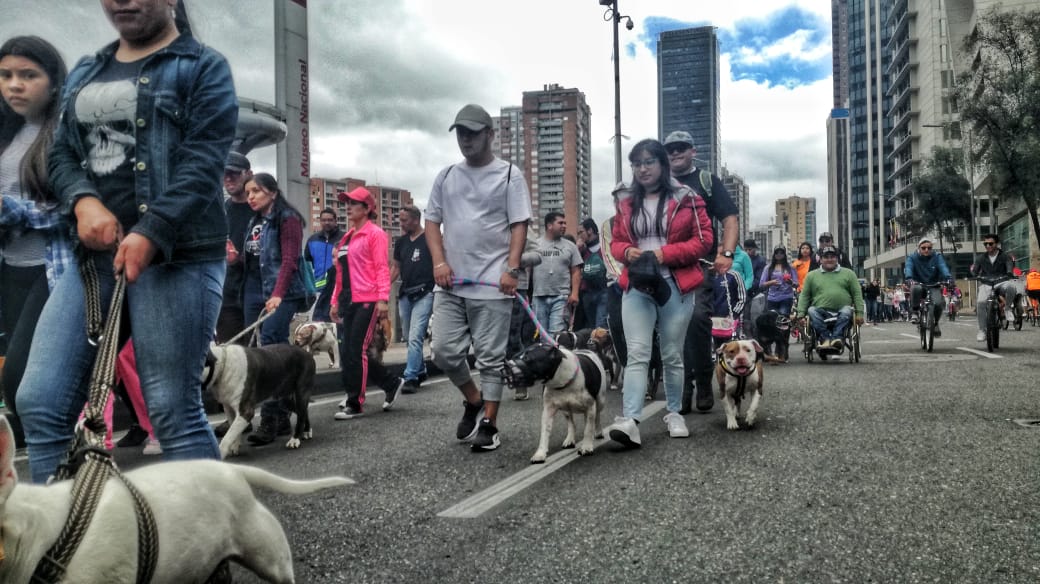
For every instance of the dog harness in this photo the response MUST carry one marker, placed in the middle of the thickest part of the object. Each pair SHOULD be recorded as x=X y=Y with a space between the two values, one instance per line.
x=741 y=379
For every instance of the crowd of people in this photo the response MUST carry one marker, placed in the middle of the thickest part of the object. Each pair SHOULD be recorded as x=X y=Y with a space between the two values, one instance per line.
x=209 y=249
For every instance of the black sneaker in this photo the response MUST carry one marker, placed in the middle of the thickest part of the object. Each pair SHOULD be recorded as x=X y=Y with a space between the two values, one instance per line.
x=135 y=436
x=269 y=430
x=410 y=386
x=221 y=430
x=486 y=438
x=392 y=393
x=468 y=424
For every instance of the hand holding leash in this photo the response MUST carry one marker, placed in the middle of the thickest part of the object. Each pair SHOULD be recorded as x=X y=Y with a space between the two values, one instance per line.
x=96 y=226
x=134 y=254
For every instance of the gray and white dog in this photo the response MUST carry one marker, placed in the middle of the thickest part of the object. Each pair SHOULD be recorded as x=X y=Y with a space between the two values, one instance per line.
x=576 y=382
x=242 y=377
x=237 y=526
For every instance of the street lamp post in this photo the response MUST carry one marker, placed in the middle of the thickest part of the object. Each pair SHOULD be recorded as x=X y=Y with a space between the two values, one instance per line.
x=615 y=16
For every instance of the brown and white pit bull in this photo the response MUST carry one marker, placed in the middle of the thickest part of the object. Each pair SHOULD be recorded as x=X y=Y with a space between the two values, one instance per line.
x=739 y=373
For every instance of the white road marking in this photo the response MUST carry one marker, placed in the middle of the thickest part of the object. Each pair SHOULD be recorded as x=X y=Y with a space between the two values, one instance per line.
x=496 y=494
x=981 y=353
x=910 y=335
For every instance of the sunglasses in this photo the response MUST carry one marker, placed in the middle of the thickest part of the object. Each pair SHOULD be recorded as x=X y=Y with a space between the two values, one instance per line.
x=989 y=243
x=677 y=148
x=926 y=247
x=648 y=163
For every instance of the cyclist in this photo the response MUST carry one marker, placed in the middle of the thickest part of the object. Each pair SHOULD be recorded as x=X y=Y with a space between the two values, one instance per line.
x=923 y=267
x=994 y=263
x=827 y=292
x=1033 y=288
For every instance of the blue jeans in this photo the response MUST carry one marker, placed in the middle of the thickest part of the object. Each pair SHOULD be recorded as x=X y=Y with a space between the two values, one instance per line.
x=781 y=306
x=415 y=317
x=275 y=328
x=173 y=312
x=639 y=315
x=872 y=310
x=549 y=311
x=594 y=303
x=818 y=315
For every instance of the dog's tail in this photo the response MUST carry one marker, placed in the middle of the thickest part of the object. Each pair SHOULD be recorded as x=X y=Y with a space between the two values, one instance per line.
x=261 y=478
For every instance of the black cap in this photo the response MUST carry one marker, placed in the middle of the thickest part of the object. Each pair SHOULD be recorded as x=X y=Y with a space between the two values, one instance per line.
x=828 y=250
x=236 y=162
x=750 y=243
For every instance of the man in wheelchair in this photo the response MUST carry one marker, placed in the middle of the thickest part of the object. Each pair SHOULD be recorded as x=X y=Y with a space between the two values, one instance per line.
x=832 y=297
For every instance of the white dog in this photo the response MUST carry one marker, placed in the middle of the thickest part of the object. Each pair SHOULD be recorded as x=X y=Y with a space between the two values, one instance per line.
x=575 y=383
x=739 y=373
x=318 y=337
x=205 y=513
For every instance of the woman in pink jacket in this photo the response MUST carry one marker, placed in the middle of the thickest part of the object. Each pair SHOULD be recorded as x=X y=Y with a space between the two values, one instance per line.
x=359 y=301
x=660 y=233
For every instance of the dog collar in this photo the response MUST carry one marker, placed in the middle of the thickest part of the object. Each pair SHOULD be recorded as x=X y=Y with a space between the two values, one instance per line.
x=726 y=368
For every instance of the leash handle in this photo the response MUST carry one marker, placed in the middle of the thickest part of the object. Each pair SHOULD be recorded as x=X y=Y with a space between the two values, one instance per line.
x=523 y=302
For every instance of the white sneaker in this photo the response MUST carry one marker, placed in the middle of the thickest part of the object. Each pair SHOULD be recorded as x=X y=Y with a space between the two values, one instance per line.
x=676 y=425
x=152 y=447
x=624 y=431
x=980 y=337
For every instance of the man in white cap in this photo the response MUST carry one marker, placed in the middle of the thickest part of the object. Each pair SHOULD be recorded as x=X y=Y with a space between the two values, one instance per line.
x=926 y=267
x=698 y=349
x=483 y=206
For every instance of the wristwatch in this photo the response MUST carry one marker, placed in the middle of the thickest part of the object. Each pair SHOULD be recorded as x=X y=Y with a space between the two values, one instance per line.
x=515 y=272
x=727 y=254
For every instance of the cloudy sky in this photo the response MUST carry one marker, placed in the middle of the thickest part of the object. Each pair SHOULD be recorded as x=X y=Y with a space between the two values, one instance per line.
x=388 y=76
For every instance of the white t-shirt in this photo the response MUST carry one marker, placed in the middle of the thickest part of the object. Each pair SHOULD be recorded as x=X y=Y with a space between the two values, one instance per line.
x=475 y=207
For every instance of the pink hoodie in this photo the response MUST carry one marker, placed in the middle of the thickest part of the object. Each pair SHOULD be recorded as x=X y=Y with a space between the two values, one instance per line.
x=369 y=265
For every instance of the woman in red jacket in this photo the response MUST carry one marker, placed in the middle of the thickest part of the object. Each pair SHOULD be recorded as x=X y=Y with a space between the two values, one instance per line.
x=660 y=233
x=359 y=301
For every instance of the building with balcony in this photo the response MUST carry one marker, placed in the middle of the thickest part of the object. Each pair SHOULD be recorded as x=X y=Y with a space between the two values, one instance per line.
x=324 y=193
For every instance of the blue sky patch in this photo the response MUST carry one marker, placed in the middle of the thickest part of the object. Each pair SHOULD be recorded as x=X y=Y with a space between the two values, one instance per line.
x=789 y=47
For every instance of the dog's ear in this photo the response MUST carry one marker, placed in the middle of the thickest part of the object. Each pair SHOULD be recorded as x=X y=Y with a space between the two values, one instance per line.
x=758 y=347
x=8 y=476
x=721 y=348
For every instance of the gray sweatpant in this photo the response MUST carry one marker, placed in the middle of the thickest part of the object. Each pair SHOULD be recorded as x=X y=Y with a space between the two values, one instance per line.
x=459 y=322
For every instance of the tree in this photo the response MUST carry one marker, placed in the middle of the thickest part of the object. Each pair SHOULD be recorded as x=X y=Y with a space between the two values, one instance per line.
x=943 y=197
x=999 y=98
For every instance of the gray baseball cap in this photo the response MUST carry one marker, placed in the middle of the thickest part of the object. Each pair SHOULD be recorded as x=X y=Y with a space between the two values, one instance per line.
x=679 y=137
x=473 y=118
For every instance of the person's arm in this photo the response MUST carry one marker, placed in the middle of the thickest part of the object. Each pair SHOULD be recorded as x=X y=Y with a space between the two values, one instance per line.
x=442 y=273
x=688 y=252
x=804 y=298
x=290 y=238
x=857 y=298
x=622 y=247
x=517 y=239
x=730 y=232
x=572 y=300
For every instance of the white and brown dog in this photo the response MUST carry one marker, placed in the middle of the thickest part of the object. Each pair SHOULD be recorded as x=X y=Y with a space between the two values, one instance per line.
x=739 y=375
x=242 y=377
x=238 y=527
x=318 y=337
x=575 y=383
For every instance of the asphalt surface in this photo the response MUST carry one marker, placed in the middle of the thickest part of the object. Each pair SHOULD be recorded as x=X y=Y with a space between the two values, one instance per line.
x=905 y=467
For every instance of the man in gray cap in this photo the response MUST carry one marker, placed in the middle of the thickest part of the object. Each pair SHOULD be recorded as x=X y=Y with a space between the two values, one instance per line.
x=483 y=205
x=697 y=353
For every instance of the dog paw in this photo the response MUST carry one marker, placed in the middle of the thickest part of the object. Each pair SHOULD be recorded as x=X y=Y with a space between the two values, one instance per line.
x=585 y=449
x=293 y=443
x=308 y=435
x=750 y=421
x=732 y=424
x=539 y=457
x=567 y=444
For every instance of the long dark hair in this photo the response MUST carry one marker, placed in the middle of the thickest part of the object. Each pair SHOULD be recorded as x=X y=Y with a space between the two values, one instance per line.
x=33 y=171
x=803 y=244
x=639 y=222
x=281 y=204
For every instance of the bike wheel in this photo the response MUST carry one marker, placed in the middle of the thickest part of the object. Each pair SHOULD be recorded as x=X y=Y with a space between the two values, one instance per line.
x=928 y=336
x=992 y=330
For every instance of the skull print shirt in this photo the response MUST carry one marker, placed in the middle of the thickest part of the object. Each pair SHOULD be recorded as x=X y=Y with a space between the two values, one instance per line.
x=106 y=108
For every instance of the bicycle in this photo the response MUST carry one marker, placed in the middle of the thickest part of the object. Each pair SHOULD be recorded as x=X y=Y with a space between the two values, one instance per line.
x=994 y=315
x=926 y=317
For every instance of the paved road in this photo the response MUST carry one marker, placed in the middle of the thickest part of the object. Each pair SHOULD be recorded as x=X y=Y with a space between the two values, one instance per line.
x=906 y=467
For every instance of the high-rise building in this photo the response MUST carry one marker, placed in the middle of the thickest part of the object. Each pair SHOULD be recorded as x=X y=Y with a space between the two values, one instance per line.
x=509 y=135
x=741 y=195
x=797 y=215
x=389 y=200
x=556 y=152
x=688 y=90
x=839 y=194
x=770 y=237
x=869 y=100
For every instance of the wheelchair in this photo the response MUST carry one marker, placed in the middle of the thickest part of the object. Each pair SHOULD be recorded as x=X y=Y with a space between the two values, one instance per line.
x=850 y=341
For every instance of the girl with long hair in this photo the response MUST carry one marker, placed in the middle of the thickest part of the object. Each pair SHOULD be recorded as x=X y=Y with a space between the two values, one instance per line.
x=34 y=236
x=665 y=227
x=804 y=263
x=779 y=280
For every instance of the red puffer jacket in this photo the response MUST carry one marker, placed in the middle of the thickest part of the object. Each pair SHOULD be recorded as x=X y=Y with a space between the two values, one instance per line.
x=689 y=238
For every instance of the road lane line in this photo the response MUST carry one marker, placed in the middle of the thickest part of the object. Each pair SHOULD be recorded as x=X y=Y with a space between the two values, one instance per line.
x=981 y=353
x=910 y=335
x=484 y=501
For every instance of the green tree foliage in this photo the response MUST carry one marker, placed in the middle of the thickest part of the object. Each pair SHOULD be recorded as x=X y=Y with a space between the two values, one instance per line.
x=943 y=197
x=999 y=99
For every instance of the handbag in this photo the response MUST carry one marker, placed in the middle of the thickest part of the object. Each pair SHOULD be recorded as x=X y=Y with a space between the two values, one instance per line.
x=414 y=293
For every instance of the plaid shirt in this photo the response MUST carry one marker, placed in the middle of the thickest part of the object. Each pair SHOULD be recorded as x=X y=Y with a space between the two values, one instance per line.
x=16 y=213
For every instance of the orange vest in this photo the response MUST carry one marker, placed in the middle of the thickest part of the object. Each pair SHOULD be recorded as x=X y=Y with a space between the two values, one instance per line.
x=1033 y=281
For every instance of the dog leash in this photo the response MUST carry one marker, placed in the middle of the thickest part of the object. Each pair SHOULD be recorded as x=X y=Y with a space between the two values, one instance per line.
x=86 y=462
x=263 y=316
x=523 y=302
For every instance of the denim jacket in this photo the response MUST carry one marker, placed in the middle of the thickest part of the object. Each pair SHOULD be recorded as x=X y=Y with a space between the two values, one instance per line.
x=186 y=116
x=271 y=258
